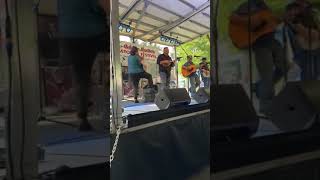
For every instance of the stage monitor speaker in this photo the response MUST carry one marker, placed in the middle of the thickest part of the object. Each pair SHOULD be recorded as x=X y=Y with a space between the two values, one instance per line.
x=233 y=113
x=168 y=98
x=296 y=107
x=202 y=95
x=98 y=171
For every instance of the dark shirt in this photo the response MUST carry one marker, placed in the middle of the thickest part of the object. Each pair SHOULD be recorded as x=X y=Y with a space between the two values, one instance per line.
x=163 y=57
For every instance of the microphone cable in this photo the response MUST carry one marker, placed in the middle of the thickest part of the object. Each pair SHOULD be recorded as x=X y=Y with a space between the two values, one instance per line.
x=9 y=46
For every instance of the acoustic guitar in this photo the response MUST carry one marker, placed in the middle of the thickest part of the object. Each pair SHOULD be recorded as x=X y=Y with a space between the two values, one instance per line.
x=187 y=71
x=262 y=22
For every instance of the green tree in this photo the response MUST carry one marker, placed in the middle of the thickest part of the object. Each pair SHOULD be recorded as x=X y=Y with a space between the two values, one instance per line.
x=197 y=47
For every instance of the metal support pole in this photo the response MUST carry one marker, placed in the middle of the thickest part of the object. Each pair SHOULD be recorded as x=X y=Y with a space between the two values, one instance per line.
x=250 y=53
x=25 y=95
x=176 y=65
x=214 y=39
x=116 y=65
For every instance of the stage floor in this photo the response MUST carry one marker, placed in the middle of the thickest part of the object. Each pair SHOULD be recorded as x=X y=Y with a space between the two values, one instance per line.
x=65 y=145
x=132 y=108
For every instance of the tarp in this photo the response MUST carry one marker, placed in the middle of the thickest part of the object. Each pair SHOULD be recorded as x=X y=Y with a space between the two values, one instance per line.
x=173 y=150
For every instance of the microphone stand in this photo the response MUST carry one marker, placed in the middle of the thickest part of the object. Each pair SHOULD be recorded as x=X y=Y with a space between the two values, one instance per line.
x=177 y=71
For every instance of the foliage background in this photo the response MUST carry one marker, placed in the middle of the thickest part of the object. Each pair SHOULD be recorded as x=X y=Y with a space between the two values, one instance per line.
x=197 y=47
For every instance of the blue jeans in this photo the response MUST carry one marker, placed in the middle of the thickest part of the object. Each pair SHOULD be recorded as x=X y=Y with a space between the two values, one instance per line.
x=269 y=57
x=206 y=81
x=165 y=80
x=194 y=83
x=309 y=63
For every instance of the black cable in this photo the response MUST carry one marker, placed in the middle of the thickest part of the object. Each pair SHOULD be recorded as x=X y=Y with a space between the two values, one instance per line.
x=250 y=51
x=215 y=40
x=21 y=91
x=9 y=54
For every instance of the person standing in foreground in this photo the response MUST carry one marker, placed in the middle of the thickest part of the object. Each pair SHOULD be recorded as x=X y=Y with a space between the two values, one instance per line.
x=84 y=33
x=165 y=64
x=136 y=71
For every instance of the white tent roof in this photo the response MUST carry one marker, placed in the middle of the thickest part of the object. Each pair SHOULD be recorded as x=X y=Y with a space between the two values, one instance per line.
x=183 y=20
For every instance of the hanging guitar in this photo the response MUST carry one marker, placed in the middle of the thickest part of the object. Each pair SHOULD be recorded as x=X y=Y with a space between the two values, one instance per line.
x=262 y=22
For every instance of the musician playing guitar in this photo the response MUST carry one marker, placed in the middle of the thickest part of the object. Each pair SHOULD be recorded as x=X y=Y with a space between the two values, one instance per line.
x=204 y=72
x=189 y=70
x=269 y=53
x=301 y=20
x=165 y=63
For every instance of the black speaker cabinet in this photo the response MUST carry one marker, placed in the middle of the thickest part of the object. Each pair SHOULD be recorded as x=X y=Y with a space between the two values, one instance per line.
x=202 y=95
x=98 y=171
x=172 y=97
x=233 y=113
x=296 y=106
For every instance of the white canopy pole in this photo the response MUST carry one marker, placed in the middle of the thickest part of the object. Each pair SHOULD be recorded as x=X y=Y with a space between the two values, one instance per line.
x=116 y=65
x=176 y=66
x=25 y=94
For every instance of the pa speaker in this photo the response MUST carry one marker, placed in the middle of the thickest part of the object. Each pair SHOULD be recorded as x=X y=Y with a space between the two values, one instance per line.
x=172 y=97
x=296 y=106
x=202 y=95
x=98 y=171
x=233 y=113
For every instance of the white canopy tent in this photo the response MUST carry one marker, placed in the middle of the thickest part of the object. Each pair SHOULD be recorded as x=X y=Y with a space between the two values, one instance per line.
x=182 y=20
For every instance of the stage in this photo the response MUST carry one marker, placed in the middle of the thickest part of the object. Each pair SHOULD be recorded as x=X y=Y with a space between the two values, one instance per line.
x=64 y=145
x=129 y=107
